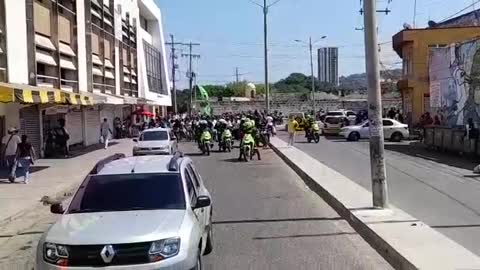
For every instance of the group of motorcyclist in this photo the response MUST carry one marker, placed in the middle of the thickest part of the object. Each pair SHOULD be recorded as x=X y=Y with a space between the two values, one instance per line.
x=251 y=130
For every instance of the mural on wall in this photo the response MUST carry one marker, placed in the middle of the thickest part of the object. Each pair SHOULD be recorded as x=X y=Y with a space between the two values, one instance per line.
x=455 y=83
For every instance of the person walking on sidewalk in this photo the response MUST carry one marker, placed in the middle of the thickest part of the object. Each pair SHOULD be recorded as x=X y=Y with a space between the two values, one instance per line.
x=292 y=129
x=62 y=137
x=24 y=158
x=9 y=147
x=105 y=132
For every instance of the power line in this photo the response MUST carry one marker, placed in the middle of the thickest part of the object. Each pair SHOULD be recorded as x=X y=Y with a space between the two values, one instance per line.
x=462 y=10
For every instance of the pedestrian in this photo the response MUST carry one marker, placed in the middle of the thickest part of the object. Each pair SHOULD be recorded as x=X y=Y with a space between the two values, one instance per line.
x=105 y=132
x=9 y=147
x=25 y=157
x=292 y=130
x=62 y=137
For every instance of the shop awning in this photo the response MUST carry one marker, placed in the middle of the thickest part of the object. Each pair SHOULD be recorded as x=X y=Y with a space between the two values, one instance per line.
x=109 y=75
x=22 y=93
x=101 y=98
x=44 y=42
x=45 y=58
x=66 y=49
x=96 y=60
x=67 y=63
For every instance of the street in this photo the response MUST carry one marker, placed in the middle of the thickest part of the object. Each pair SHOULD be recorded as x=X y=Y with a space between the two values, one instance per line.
x=429 y=185
x=264 y=218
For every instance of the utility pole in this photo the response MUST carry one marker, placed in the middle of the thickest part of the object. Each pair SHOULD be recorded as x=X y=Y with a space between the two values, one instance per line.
x=313 y=77
x=265 y=47
x=174 y=67
x=236 y=75
x=414 y=13
x=190 y=73
x=377 y=158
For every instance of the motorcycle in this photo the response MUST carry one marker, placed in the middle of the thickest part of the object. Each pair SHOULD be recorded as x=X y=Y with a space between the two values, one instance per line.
x=226 y=145
x=247 y=148
x=313 y=135
x=205 y=142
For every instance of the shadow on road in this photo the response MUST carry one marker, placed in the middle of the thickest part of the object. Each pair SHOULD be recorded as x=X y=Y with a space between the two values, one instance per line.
x=304 y=235
x=195 y=154
x=419 y=151
x=5 y=173
x=274 y=220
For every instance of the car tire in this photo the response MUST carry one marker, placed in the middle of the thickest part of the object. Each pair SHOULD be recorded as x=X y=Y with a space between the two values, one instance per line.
x=353 y=137
x=209 y=244
x=199 y=265
x=396 y=137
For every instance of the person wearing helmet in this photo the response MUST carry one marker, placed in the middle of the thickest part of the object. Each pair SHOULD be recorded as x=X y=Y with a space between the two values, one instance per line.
x=248 y=128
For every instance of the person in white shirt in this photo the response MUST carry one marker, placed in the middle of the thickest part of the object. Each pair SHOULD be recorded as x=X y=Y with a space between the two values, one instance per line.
x=105 y=132
x=9 y=146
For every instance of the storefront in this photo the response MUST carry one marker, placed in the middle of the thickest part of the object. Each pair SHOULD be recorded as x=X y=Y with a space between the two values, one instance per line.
x=30 y=126
x=92 y=125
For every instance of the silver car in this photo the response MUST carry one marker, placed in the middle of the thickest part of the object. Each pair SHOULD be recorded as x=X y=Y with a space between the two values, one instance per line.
x=150 y=212
x=155 y=141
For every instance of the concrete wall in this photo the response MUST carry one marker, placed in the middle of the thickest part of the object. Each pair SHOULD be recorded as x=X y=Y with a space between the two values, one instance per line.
x=17 y=56
x=288 y=107
x=11 y=111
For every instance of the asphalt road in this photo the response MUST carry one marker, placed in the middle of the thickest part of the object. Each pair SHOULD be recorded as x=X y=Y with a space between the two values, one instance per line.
x=429 y=185
x=266 y=218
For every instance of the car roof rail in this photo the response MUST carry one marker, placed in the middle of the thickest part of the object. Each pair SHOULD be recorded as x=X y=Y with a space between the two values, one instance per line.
x=100 y=164
x=173 y=164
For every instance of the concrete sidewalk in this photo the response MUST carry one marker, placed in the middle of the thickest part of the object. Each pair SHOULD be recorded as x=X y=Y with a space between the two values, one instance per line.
x=55 y=178
x=403 y=240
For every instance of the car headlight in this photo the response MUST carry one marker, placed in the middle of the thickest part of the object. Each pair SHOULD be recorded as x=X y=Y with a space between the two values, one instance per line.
x=56 y=254
x=163 y=249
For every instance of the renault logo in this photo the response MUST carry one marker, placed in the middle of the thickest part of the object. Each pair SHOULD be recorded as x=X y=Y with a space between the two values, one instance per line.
x=107 y=253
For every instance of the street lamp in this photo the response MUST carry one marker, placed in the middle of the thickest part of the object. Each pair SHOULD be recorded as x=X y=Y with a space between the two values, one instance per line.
x=310 y=44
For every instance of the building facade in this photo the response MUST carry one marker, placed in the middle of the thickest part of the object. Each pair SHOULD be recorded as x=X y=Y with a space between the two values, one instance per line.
x=414 y=47
x=328 y=65
x=82 y=61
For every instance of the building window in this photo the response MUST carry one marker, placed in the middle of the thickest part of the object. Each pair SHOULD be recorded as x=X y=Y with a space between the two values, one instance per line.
x=154 y=69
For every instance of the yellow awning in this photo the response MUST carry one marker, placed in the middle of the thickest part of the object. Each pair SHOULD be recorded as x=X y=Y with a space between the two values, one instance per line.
x=22 y=93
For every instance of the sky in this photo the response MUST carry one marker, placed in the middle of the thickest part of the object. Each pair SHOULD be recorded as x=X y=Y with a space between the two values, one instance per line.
x=230 y=33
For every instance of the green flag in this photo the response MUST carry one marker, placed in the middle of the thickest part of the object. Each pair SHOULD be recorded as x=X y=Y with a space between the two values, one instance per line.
x=203 y=92
x=205 y=103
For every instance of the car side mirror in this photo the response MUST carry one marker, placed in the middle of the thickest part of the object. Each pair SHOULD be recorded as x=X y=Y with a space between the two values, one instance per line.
x=135 y=140
x=57 y=208
x=202 y=201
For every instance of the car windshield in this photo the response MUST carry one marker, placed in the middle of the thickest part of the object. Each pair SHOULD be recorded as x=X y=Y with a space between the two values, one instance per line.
x=154 y=136
x=350 y=114
x=103 y=193
x=334 y=113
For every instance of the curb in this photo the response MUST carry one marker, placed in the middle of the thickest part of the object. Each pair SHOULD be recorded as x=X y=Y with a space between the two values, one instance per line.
x=398 y=252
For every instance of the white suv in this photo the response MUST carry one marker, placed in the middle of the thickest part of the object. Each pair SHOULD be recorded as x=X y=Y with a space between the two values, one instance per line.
x=150 y=212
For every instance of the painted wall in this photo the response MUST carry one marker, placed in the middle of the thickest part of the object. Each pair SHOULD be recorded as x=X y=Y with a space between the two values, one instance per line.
x=455 y=83
x=417 y=85
x=15 y=18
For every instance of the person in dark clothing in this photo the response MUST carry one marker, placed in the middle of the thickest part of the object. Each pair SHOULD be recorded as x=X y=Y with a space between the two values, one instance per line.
x=62 y=137
x=25 y=157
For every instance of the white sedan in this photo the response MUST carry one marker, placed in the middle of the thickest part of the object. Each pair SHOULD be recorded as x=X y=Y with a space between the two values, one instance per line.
x=392 y=129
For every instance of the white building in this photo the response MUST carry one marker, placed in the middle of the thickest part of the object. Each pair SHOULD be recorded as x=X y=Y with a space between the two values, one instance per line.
x=80 y=60
x=328 y=65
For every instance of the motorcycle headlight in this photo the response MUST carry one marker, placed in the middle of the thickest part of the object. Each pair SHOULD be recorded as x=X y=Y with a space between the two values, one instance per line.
x=163 y=249
x=56 y=254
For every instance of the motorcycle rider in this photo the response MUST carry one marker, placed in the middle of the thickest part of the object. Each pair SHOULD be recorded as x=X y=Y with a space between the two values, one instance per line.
x=226 y=135
x=248 y=127
x=205 y=133
x=310 y=121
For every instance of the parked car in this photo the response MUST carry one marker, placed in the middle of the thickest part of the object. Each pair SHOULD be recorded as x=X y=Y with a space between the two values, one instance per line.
x=350 y=115
x=392 y=130
x=300 y=117
x=149 y=212
x=332 y=125
x=155 y=141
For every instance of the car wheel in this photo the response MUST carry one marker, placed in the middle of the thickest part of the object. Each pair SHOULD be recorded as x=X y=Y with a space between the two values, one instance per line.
x=396 y=137
x=209 y=244
x=199 y=265
x=354 y=136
